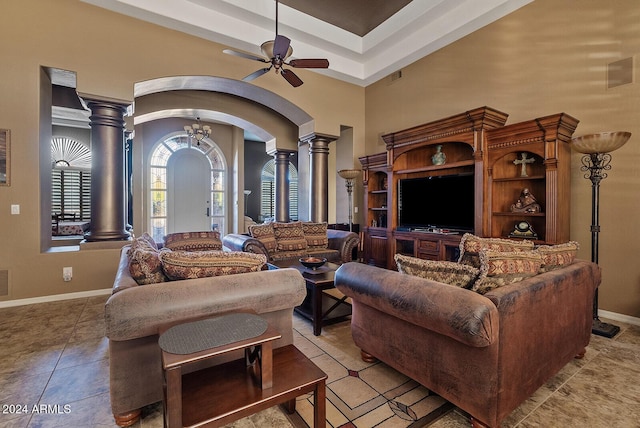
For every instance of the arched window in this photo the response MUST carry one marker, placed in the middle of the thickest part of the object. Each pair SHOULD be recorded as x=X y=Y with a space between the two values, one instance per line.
x=268 y=196
x=158 y=219
x=70 y=178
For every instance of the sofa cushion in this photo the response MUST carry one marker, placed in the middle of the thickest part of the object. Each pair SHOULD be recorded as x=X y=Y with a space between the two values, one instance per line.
x=315 y=235
x=264 y=233
x=470 y=246
x=145 y=266
x=201 y=264
x=499 y=268
x=289 y=236
x=557 y=256
x=447 y=272
x=193 y=241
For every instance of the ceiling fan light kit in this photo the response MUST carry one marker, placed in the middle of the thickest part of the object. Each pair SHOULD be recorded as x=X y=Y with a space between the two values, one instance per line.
x=277 y=52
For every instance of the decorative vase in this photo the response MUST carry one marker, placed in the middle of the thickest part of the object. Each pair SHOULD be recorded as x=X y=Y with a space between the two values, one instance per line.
x=439 y=158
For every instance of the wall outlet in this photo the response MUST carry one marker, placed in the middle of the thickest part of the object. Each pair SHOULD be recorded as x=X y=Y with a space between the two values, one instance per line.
x=67 y=273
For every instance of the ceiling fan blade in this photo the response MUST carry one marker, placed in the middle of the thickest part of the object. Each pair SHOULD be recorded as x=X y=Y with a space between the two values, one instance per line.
x=291 y=77
x=244 y=55
x=309 y=63
x=256 y=74
x=281 y=46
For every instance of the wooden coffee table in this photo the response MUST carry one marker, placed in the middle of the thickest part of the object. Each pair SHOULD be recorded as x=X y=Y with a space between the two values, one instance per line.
x=221 y=394
x=324 y=303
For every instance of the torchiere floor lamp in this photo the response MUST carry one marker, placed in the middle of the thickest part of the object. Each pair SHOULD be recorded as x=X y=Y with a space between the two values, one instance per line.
x=349 y=175
x=596 y=160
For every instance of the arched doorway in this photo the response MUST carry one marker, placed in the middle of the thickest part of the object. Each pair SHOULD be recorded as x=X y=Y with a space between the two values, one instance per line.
x=187 y=187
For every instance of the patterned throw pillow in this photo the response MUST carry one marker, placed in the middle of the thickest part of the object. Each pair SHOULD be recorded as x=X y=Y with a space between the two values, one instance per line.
x=179 y=265
x=264 y=233
x=502 y=268
x=470 y=247
x=451 y=273
x=557 y=256
x=289 y=236
x=193 y=241
x=144 y=264
x=315 y=235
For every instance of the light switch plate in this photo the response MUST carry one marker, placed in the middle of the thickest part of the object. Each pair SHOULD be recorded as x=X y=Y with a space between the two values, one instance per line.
x=15 y=209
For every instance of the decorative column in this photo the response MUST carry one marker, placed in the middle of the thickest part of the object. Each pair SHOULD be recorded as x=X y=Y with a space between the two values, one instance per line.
x=108 y=189
x=282 y=185
x=319 y=177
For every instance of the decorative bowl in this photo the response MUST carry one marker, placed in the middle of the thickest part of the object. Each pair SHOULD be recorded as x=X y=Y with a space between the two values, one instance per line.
x=312 y=262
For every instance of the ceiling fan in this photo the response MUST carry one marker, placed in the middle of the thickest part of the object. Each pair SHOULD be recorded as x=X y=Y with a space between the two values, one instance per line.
x=276 y=52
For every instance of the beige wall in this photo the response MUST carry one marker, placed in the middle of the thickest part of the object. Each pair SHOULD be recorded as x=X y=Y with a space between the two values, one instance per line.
x=550 y=56
x=109 y=52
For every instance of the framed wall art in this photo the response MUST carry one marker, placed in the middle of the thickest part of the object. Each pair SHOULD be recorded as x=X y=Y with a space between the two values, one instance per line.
x=5 y=157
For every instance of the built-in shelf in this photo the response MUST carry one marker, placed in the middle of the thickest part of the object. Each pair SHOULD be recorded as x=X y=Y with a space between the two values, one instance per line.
x=446 y=166
x=474 y=142
x=519 y=178
x=511 y=214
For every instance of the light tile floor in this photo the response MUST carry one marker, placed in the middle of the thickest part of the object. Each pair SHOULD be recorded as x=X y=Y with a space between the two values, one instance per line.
x=54 y=373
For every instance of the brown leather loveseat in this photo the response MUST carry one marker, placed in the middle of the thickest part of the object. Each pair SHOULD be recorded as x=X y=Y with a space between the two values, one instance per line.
x=486 y=353
x=135 y=314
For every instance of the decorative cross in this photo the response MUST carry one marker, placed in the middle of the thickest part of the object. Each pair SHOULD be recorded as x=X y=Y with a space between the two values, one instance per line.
x=523 y=161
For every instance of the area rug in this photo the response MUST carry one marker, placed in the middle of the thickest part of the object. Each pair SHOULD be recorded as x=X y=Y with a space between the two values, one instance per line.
x=360 y=394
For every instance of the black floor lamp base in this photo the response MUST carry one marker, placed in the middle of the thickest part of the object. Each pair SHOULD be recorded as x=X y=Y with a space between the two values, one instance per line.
x=603 y=329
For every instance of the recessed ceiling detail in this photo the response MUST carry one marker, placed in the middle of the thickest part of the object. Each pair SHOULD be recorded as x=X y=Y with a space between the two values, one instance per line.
x=363 y=42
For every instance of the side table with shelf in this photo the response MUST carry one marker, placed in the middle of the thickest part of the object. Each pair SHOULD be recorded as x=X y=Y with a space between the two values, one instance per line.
x=221 y=394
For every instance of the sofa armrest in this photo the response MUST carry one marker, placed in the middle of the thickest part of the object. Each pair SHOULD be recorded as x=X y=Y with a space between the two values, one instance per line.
x=142 y=311
x=343 y=241
x=246 y=243
x=455 y=312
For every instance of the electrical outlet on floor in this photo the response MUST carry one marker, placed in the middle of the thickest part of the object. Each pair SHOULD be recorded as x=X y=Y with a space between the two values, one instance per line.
x=67 y=273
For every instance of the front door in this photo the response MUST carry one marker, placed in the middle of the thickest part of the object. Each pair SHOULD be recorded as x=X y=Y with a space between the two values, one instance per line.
x=188 y=192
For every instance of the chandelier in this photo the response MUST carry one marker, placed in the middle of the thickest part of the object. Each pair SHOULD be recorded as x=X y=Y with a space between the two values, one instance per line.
x=198 y=131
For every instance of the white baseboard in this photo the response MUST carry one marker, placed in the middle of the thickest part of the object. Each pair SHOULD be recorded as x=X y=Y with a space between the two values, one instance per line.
x=55 y=298
x=619 y=317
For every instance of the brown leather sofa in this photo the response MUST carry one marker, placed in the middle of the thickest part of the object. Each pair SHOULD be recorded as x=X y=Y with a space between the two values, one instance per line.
x=485 y=354
x=134 y=314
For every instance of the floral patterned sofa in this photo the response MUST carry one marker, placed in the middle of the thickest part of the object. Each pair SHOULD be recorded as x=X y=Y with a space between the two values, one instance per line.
x=279 y=241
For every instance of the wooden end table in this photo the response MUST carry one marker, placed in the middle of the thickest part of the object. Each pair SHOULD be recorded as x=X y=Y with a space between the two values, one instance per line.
x=221 y=394
x=324 y=303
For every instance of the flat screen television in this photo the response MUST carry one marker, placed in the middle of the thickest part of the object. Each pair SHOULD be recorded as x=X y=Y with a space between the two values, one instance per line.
x=437 y=202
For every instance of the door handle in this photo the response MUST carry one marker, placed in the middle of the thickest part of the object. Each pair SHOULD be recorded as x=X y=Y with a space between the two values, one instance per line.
x=207 y=211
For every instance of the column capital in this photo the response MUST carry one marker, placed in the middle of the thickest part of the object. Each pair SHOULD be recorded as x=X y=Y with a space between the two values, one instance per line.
x=317 y=138
x=281 y=153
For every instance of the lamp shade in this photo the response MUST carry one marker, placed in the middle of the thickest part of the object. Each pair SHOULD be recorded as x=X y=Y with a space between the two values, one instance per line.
x=349 y=174
x=603 y=142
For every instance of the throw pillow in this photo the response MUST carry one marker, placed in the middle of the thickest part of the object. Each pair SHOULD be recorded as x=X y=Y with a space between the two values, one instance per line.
x=201 y=264
x=471 y=245
x=502 y=268
x=145 y=266
x=264 y=233
x=316 y=235
x=193 y=241
x=451 y=273
x=289 y=236
x=557 y=256
x=143 y=241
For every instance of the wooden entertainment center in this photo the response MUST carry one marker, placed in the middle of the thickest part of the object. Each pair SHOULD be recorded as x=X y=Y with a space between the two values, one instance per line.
x=504 y=161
